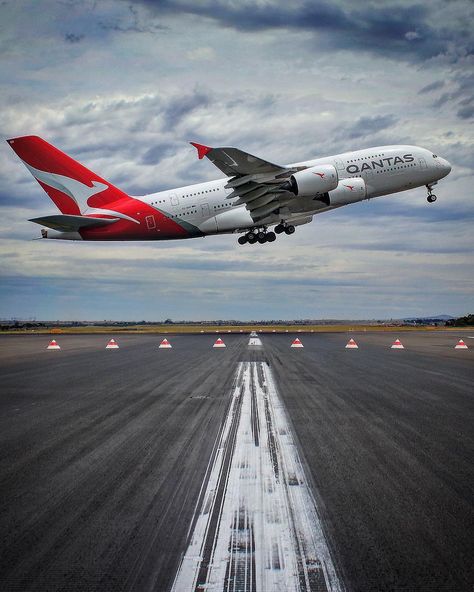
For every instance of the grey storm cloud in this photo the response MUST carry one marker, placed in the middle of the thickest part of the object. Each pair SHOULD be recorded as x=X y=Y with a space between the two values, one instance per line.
x=461 y=95
x=366 y=126
x=182 y=106
x=155 y=154
x=73 y=37
x=402 y=29
x=436 y=85
x=134 y=24
x=466 y=111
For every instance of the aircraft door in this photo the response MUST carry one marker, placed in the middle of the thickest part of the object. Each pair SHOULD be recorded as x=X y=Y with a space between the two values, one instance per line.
x=422 y=164
x=208 y=224
x=368 y=177
x=174 y=199
x=340 y=166
x=150 y=222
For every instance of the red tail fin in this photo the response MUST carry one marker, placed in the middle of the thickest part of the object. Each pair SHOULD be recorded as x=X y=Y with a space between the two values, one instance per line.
x=71 y=186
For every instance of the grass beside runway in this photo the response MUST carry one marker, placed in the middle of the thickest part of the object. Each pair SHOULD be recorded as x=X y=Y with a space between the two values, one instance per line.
x=184 y=329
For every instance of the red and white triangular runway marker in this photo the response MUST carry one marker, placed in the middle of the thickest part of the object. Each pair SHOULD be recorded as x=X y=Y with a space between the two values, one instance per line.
x=53 y=344
x=165 y=344
x=297 y=343
x=112 y=344
x=397 y=344
x=219 y=343
x=351 y=344
x=460 y=345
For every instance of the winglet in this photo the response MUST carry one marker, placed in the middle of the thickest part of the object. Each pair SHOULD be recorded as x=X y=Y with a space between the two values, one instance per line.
x=202 y=150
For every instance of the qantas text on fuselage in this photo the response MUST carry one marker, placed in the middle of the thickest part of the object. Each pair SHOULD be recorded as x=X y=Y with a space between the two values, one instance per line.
x=257 y=199
x=379 y=164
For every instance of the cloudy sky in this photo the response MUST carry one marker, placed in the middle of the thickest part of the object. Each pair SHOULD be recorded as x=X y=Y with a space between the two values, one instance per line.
x=123 y=86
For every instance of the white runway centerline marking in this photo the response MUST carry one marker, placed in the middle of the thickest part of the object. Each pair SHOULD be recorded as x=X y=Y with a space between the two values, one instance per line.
x=256 y=526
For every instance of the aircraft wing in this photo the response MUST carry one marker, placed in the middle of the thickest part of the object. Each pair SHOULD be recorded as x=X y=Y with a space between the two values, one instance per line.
x=257 y=183
x=71 y=223
x=232 y=161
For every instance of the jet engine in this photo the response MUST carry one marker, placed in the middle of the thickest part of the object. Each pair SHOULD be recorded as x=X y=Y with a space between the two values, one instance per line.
x=348 y=191
x=310 y=182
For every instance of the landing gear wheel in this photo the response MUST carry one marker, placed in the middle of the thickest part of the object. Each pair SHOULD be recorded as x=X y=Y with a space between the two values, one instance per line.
x=242 y=239
x=252 y=241
x=251 y=237
x=271 y=237
x=289 y=229
x=261 y=234
x=262 y=240
x=431 y=196
x=279 y=228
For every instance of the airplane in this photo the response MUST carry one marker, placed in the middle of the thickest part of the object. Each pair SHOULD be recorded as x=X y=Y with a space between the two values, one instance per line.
x=255 y=195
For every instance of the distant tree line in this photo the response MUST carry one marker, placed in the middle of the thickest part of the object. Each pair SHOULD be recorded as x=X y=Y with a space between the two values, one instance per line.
x=467 y=321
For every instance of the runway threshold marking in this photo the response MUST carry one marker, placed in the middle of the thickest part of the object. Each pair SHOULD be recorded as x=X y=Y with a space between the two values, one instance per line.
x=257 y=526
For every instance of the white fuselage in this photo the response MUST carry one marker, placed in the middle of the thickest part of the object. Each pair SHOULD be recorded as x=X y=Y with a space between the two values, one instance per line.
x=384 y=169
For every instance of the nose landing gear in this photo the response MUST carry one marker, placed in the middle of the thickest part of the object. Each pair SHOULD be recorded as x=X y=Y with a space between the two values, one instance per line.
x=431 y=196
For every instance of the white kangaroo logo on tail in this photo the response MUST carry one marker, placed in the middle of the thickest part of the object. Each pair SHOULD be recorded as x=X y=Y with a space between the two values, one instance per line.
x=76 y=190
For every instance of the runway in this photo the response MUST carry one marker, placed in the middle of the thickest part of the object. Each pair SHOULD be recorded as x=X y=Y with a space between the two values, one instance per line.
x=109 y=460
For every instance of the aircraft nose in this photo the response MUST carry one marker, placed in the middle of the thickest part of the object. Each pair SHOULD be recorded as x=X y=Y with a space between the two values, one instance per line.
x=444 y=165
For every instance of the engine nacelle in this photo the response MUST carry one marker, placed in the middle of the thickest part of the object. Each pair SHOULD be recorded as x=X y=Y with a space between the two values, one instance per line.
x=313 y=181
x=348 y=191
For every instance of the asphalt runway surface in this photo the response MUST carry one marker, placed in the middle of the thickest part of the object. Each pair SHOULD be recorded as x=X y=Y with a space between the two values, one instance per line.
x=106 y=458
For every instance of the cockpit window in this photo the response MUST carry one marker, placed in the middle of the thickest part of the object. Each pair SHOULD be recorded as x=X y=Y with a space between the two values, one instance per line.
x=435 y=156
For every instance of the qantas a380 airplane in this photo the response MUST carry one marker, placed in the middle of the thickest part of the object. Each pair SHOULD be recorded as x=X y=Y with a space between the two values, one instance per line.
x=255 y=196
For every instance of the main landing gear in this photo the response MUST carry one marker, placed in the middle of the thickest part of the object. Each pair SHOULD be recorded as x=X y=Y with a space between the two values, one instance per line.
x=257 y=236
x=431 y=196
x=286 y=228
x=262 y=236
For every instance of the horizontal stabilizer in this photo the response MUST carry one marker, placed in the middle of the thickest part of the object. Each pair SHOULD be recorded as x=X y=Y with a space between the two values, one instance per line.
x=68 y=222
